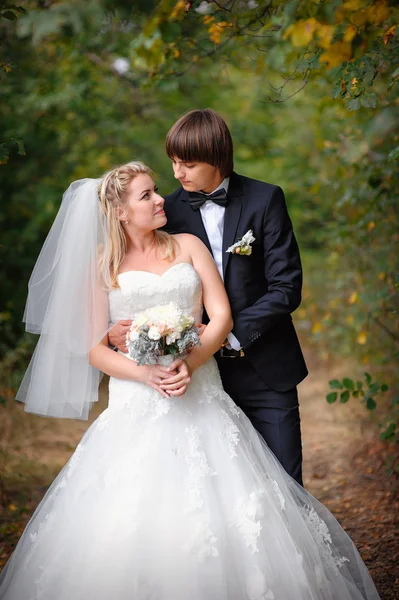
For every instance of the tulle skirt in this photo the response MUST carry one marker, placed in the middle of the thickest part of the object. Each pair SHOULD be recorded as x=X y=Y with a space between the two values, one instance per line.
x=180 y=499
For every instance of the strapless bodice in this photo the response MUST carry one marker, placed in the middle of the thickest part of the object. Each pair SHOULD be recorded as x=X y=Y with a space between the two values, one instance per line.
x=140 y=290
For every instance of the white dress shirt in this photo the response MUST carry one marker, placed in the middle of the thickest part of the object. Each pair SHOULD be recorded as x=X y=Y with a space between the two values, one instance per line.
x=213 y=219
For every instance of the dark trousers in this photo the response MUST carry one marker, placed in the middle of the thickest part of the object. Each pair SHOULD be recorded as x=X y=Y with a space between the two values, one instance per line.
x=274 y=414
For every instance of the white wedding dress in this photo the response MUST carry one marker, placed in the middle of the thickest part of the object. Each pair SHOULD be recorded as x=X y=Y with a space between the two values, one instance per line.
x=179 y=499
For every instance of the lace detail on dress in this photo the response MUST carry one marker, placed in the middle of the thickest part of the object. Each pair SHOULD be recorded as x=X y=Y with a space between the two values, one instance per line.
x=247 y=511
x=278 y=493
x=74 y=460
x=257 y=587
x=229 y=433
x=322 y=536
x=203 y=543
x=188 y=449
x=233 y=408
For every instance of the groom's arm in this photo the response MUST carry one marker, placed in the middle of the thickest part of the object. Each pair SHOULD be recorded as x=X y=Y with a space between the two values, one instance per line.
x=283 y=272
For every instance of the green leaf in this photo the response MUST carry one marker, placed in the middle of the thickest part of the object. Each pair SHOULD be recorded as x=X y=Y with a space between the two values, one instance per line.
x=368 y=378
x=4 y=154
x=21 y=147
x=170 y=31
x=335 y=384
x=371 y=404
x=389 y=432
x=384 y=387
x=355 y=394
x=395 y=73
x=7 y=14
x=344 y=396
x=348 y=383
x=394 y=154
x=337 y=91
x=353 y=104
x=359 y=385
x=331 y=398
x=374 y=387
x=369 y=100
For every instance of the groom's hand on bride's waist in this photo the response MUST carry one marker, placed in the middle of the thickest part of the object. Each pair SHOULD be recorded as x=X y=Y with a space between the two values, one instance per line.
x=117 y=335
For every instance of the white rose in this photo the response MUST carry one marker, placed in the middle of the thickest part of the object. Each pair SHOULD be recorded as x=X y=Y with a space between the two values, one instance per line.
x=154 y=334
x=133 y=336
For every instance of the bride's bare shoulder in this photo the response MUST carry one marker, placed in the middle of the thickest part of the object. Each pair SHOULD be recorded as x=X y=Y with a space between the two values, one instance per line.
x=187 y=238
x=190 y=245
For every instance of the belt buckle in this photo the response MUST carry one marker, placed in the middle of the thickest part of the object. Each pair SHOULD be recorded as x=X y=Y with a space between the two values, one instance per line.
x=240 y=353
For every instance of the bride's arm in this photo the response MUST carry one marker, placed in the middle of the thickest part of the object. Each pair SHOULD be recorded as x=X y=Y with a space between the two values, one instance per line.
x=218 y=309
x=215 y=302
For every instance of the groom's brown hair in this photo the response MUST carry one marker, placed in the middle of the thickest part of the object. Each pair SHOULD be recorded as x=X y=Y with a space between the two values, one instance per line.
x=201 y=135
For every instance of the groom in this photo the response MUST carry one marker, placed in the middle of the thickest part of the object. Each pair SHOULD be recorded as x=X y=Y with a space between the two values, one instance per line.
x=261 y=362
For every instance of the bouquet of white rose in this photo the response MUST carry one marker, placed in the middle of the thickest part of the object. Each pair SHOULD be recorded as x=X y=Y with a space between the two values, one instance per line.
x=161 y=331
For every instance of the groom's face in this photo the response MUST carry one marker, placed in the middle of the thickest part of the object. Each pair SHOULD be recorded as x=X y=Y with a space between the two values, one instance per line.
x=196 y=176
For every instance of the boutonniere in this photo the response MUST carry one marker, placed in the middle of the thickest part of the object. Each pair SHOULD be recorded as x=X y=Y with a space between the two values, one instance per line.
x=243 y=246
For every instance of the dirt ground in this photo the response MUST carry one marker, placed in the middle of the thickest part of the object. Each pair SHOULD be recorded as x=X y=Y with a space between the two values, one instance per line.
x=345 y=467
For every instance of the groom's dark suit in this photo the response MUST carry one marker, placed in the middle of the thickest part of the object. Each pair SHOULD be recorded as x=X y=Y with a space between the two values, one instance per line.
x=264 y=289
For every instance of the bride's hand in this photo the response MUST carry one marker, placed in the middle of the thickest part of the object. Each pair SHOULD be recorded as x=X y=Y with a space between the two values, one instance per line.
x=153 y=375
x=177 y=384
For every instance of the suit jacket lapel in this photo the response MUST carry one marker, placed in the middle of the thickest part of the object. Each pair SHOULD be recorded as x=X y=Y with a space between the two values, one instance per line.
x=232 y=216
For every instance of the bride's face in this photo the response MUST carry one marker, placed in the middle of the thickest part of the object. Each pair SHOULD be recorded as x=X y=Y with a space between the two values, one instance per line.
x=144 y=204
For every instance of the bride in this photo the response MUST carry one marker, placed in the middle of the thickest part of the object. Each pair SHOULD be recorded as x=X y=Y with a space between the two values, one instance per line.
x=171 y=494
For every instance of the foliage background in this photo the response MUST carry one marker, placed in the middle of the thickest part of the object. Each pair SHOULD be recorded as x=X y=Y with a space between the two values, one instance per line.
x=310 y=91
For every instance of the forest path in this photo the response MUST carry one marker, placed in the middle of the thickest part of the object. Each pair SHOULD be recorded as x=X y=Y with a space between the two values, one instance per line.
x=344 y=467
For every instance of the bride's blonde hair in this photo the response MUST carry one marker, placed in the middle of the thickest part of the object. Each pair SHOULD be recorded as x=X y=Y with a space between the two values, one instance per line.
x=113 y=189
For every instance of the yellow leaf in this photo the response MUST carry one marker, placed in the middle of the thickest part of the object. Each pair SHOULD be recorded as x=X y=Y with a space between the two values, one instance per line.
x=354 y=297
x=365 y=359
x=337 y=54
x=12 y=507
x=349 y=319
x=353 y=4
x=371 y=226
x=301 y=32
x=381 y=276
x=362 y=338
x=216 y=30
x=354 y=81
x=389 y=33
x=317 y=327
x=325 y=35
x=350 y=33
x=378 y=12
x=208 y=19
x=178 y=10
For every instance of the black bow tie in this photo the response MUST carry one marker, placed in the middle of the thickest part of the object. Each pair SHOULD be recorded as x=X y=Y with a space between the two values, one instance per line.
x=197 y=199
